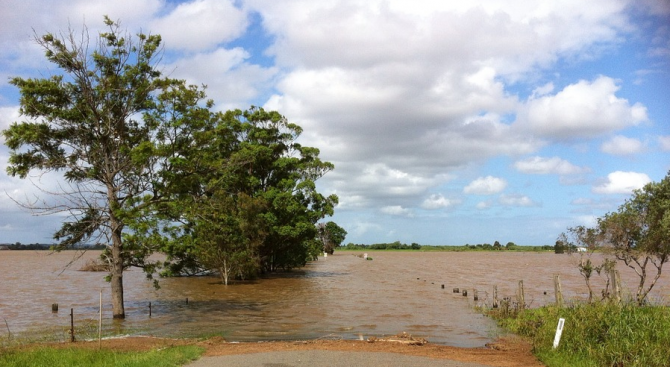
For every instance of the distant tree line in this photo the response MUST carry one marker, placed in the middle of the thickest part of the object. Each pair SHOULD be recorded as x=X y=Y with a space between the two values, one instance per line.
x=384 y=246
x=496 y=246
x=18 y=246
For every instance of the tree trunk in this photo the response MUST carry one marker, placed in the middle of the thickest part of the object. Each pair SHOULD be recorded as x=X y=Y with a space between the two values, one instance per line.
x=640 y=288
x=588 y=285
x=118 y=309
x=224 y=274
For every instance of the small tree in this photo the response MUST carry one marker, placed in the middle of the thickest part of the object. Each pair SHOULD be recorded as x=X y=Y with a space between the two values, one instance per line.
x=586 y=238
x=638 y=233
x=112 y=126
x=331 y=236
x=562 y=244
x=227 y=234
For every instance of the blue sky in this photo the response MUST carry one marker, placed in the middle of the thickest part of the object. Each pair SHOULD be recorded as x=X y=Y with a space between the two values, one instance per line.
x=448 y=122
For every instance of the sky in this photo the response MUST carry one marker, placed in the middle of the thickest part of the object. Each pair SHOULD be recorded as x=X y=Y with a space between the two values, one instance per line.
x=448 y=122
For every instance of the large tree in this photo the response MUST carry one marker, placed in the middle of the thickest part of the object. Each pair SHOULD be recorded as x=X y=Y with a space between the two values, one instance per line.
x=283 y=173
x=638 y=233
x=260 y=184
x=118 y=133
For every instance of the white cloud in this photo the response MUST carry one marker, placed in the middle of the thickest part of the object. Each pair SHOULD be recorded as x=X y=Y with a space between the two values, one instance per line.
x=359 y=228
x=511 y=36
x=53 y=16
x=543 y=90
x=437 y=201
x=395 y=182
x=588 y=205
x=587 y=220
x=516 y=200
x=397 y=210
x=484 y=204
x=542 y=166
x=365 y=185
x=488 y=185
x=664 y=141
x=581 y=110
x=622 y=183
x=433 y=106
x=131 y=13
x=621 y=145
x=201 y=24
x=230 y=79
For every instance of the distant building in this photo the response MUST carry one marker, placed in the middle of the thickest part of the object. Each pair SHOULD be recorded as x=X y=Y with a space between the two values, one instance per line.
x=581 y=249
x=4 y=247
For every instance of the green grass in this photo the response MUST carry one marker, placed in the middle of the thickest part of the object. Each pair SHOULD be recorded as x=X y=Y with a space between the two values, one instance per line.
x=598 y=334
x=73 y=357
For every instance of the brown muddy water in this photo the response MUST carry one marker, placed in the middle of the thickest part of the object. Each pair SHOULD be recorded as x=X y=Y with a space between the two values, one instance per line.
x=341 y=296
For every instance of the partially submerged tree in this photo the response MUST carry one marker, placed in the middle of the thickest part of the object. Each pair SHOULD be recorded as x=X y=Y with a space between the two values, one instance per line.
x=113 y=127
x=283 y=174
x=586 y=238
x=260 y=185
x=562 y=244
x=638 y=234
x=227 y=234
x=330 y=236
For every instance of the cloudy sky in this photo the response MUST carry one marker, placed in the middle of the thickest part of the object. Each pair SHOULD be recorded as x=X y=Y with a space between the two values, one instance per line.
x=449 y=122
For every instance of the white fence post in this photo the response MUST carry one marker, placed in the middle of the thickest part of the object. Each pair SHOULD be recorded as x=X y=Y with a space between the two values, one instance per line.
x=559 y=331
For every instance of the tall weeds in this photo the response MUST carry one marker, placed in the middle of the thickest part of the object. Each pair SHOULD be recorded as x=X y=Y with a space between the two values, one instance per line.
x=598 y=334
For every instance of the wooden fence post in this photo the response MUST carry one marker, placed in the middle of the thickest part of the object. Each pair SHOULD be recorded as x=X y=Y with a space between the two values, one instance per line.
x=72 y=325
x=100 y=323
x=557 y=291
x=495 y=296
x=521 y=298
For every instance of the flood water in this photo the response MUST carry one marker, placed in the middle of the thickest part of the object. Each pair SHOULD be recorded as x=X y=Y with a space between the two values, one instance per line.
x=341 y=296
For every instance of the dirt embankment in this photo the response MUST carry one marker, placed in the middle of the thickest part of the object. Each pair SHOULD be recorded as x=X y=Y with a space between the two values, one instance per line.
x=506 y=352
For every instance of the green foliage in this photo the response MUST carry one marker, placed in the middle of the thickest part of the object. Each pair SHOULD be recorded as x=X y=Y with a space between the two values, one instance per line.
x=72 y=357
x=252 y=204
x=637 y=234
x=597 y=334
x=330 y=235
x=563 y=244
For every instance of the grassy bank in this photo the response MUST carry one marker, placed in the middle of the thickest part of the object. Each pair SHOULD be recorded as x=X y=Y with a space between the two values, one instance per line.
x=73 y=356
x=50 y=347
x=596 y=335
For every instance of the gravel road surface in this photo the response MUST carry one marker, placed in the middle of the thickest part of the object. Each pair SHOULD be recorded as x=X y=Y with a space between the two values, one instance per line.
x=322 y=358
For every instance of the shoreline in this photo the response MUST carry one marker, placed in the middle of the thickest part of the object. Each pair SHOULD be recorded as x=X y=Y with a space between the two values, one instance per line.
x=507 y=351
